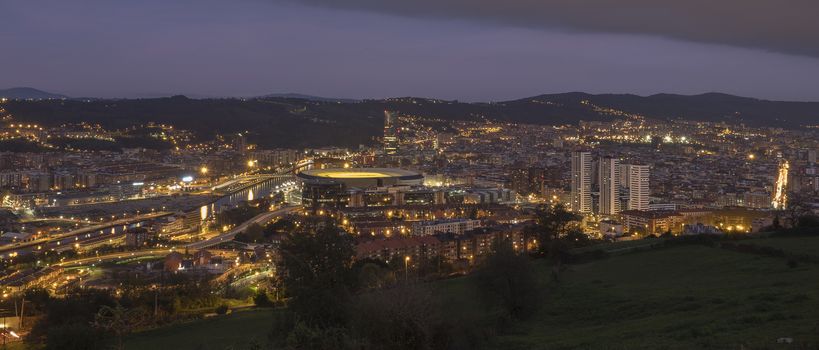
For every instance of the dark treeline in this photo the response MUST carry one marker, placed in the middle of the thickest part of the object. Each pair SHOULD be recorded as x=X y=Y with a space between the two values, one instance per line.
x=99 y=319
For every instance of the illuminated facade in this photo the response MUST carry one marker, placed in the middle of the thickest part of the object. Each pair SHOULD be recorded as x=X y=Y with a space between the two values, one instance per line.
x=638 y=187
x=390 y=135
x=581 y=201
x=609 y=180
x=356 y=187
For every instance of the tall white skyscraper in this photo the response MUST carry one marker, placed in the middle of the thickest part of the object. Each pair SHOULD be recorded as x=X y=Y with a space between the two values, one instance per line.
x=609 y=181
x=581 y=182
x=638 y=187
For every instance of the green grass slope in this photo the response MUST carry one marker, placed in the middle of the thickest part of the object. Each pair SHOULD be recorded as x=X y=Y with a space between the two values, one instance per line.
x=689 y=297
x=235 y=331
x=682 y=297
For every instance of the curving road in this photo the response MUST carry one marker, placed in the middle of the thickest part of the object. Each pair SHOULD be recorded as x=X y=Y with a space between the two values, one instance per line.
x=56 y=240
x=221 y=238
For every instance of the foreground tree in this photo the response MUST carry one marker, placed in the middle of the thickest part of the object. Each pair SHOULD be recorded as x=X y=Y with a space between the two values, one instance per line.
x=552 y=222
x=75 y=308
x=118 y=321
x=507 y=282
x=318 y=275
x=797 y=210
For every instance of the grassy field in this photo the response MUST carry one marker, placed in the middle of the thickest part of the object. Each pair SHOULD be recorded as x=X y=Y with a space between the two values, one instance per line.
x=622 y=247
x=677 y=298
x=683 y=297
x=234 y=331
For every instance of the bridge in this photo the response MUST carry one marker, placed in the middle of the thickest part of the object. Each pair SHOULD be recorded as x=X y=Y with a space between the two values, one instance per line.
x=261 y=219
x=75 y=236
x=241 y=182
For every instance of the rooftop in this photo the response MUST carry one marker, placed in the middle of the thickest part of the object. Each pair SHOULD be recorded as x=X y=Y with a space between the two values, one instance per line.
x=360 y=173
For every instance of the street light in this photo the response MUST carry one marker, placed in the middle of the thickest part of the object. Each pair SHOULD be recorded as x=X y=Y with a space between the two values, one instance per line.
x=203 y=170
x=406 y=268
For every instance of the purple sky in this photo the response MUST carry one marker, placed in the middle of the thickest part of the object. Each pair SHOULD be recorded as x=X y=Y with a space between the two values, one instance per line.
x=113 y=48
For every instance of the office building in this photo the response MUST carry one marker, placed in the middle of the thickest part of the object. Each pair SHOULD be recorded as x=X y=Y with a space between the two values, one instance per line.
x=390 y=135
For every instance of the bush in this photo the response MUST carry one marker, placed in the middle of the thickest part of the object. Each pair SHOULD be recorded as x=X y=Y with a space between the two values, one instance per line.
x=404 y=317
x=373 y=276
x=754 y=249
x=262 y=300
x=587 y=256
x=73 y=337
x=222 y=309
x=317 y=338
x=703 y=239
x=284 y=321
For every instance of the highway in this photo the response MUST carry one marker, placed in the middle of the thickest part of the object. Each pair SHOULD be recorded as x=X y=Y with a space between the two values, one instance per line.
x=261 y=219
x=104 y=232
x=240 y=182
x=73 y=236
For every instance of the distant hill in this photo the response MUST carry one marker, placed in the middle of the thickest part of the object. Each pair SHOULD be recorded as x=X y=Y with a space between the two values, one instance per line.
x=28 y=93
x=308 y=97
x=290 y=121
x=714 y=107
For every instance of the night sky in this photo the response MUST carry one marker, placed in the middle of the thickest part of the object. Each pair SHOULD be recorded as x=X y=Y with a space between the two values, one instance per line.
x=473 y=50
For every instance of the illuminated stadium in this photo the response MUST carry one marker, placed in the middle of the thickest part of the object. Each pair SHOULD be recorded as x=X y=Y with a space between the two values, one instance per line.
x=363 y=177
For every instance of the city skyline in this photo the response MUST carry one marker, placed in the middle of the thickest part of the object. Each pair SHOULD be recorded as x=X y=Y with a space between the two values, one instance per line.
x=428 y=174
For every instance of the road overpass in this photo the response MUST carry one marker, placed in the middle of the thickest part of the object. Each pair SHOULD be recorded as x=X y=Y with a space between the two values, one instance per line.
x=75 y=236
x=261 y=219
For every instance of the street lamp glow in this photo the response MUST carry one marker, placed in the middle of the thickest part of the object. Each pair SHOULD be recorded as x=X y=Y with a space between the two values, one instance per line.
x=203 y=170
x=406 y=268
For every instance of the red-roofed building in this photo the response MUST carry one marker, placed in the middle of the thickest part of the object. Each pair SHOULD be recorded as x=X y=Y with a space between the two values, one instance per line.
x=452 y=247
x=399 y=247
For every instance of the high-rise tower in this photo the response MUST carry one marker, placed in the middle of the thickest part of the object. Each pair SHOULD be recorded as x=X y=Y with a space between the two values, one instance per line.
x=390 y=135
x=609 y=181
x=581 y=182
x=638 y=187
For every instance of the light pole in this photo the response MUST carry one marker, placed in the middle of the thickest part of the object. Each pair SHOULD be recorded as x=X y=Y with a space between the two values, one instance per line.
x=156 y=300
x=406 y=268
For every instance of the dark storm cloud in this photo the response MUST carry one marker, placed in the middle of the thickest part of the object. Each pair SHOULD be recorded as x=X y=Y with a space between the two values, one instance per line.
x=126 y=48
x=787 y=26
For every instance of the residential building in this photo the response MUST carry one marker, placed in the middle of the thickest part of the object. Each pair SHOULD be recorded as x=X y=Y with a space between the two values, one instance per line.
x=609 y=180
x=454 y=226
x=638 y=187
x=581 y=201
